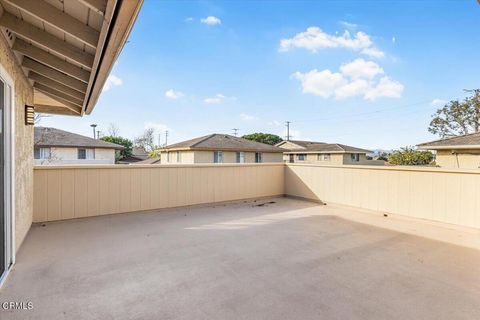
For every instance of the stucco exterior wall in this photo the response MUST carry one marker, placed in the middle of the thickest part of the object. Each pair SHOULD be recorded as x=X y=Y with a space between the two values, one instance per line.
x=190 y=157
x=231 y=157
x=70 y=156
x=23 y=138
x=186 y=157
x=268 y=157
x=336 y=159
x=347 y=160
x=288 y=145
x=464 y=159
x=206 y=156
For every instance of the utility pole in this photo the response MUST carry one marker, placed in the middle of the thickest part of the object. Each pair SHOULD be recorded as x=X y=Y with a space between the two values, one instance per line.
x=166 y=137
x=98 y=134
x=93 y=125
x=235 y=130
x=159 y=139
x=287 y=124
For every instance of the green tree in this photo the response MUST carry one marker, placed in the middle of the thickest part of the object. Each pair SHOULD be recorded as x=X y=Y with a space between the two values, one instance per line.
x=128 y=144
x=154 y=154
x=267 y=138
x=409 y=156
x=457 y=117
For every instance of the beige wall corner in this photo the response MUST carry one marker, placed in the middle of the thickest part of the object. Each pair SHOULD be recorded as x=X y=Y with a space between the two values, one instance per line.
x=23 y=139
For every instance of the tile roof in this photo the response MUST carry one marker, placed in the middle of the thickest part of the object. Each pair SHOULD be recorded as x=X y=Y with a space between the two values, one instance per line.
x=312 y=146
x=52 y=137
x=472 y=139
x=154 y=160
x=223 y=142
x=140 y=153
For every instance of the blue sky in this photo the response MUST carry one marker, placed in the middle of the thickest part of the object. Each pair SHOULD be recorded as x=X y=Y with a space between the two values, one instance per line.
x=210 y=66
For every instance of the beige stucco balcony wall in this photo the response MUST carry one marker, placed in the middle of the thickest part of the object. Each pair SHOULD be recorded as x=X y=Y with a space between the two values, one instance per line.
x=66 y=192
x=445 y=195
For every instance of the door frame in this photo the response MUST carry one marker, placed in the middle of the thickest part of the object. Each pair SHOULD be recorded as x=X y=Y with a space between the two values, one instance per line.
x=9 y=171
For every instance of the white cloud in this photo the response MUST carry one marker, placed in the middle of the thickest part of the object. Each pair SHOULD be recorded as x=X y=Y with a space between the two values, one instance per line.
x=315 y=39
x=438 y=102
x=373 y=52
x=247 y=117
x=349 y=25
x=112 y=81
x=360 y=68
x=189 y=19
x=385 y=88
x=172 y=94
x=351 y=89
x=211 y=20
x=356 y=78
x=218 y=98
x=320 y=83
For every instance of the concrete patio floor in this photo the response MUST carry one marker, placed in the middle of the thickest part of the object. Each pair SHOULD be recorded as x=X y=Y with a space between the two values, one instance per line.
x=285 y=260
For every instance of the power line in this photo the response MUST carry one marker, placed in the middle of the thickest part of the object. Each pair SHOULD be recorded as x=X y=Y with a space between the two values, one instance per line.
x=364 y=113
x=397 y=126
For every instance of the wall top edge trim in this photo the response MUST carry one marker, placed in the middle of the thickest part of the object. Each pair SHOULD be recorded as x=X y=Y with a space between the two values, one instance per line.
x=151 y=166
x=389 y=168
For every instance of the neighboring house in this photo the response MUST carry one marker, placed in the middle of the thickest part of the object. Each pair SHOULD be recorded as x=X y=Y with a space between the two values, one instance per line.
x=324 y=153
x=456 y=152
x=138 y=154
x=154 y=160
x=53 y=146
x=220 y=148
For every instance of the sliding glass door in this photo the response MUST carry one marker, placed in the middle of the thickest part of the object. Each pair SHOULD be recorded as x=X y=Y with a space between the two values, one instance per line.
x=4 y=263
x=6 y=165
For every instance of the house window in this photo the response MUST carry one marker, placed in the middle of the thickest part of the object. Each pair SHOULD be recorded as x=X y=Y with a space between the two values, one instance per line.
x=41 y=153
x=217 y=157
x=301 y=157
x=240 y=157
x=179 y=156
x=86 y=154
x=323 y=157
x=355 y=157
x=258 y=157
x=168 y=156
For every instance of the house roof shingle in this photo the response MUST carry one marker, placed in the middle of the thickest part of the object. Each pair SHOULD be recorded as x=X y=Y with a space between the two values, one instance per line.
x=472 y=140
x=220 y=142
x=154 y=160
x=52 y=137
x=313 y=146
x=140 y=153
